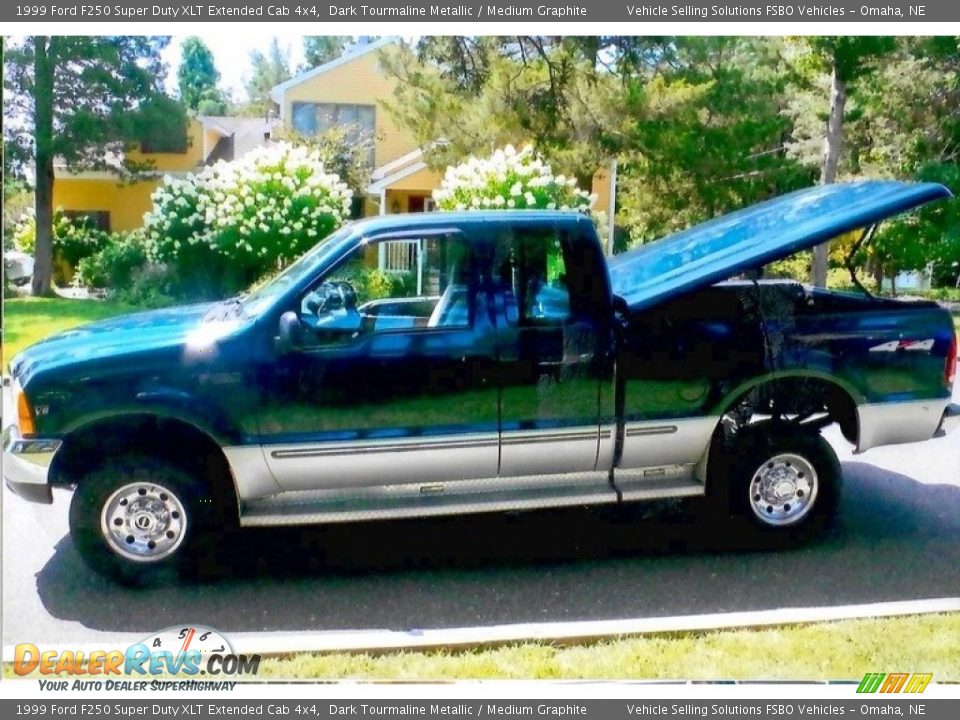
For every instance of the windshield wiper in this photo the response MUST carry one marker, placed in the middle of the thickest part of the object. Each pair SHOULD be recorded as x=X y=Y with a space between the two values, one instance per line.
x=226 y=309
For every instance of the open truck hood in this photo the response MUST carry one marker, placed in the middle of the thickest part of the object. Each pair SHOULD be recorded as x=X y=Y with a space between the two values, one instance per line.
x=759 y=234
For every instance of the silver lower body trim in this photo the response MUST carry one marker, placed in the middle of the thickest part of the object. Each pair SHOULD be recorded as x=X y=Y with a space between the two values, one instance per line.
x=951 y=420
x=372 y=463
x=26 y=464
x=663 y=443
x=898 y=422
x=252 y=476
x=548 y=451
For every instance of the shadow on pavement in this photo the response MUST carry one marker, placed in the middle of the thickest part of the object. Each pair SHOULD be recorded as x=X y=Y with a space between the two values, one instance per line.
x=894 y=539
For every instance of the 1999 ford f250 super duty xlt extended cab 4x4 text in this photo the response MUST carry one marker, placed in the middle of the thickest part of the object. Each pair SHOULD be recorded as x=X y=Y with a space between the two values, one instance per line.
x=516 y=370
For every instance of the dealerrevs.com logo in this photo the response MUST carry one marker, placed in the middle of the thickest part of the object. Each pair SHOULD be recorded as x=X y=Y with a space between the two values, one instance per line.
x=175 y=652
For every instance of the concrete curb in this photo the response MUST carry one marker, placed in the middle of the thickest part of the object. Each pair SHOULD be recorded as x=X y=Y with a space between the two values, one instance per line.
x=375 y=641
x=560 y=633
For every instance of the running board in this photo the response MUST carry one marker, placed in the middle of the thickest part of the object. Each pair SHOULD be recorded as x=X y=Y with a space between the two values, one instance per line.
x=393 y=502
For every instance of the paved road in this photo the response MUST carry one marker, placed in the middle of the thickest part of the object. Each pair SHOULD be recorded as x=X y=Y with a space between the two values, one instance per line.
x=897 y=538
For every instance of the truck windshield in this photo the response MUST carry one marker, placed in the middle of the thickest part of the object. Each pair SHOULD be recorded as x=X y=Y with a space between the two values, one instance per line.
x=261 y=296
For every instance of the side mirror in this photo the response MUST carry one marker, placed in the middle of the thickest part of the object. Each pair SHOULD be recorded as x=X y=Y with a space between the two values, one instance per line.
x=340 y=322
x=290 y=332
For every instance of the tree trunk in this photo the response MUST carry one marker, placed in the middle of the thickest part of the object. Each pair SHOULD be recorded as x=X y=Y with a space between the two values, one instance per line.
x=831 y=158
x=876 y=269
x=43 y=128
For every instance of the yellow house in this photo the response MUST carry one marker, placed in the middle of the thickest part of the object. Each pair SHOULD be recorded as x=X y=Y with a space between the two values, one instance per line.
x=117 y=205
x=349 y=91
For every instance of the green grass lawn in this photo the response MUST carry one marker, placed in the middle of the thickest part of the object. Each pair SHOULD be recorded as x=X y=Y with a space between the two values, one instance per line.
x=28 y=320
x=844 y=650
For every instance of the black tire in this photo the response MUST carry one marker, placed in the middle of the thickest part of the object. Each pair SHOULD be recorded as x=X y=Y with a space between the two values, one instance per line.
x=784 y=486
x=159 y=508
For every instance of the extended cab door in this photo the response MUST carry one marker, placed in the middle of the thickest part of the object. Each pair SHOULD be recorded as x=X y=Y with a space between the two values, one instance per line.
x=393 y=387
x=553 y=332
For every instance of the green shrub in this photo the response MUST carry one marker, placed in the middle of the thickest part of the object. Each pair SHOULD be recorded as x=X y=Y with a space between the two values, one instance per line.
x=73 y=240
x=949 y=294
x=115 y=264
x=795 y=267
x=374 y=284
x=150 y=286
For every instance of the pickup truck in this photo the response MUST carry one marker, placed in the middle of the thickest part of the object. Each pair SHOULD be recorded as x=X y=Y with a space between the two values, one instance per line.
x=511 y=367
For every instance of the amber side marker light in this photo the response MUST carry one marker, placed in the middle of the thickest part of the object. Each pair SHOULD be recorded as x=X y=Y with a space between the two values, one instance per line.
x=24 y=415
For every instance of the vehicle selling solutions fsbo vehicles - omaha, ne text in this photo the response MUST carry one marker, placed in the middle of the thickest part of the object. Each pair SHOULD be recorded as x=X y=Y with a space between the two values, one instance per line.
x=511 y=368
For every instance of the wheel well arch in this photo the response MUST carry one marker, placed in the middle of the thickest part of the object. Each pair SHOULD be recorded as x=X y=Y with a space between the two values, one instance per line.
x=173 y=439
x=795 y=392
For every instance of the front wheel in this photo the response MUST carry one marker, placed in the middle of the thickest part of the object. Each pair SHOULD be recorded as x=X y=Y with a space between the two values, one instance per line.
x=786 y=484
x=135 y=520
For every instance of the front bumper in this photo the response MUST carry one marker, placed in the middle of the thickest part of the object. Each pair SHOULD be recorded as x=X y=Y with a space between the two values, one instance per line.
x=26 y=463
x=950 y=420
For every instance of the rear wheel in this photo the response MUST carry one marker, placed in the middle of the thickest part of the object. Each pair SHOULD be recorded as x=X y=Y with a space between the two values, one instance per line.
x=136 y=519
x=785 y=484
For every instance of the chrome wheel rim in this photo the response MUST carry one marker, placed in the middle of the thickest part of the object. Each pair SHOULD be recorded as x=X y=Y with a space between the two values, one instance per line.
x=783 y=489
x=143 y=522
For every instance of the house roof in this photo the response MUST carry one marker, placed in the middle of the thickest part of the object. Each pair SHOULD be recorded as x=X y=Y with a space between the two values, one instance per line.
x=389 y=173
x=247 y=133
x=400 y=168
x=230 y=125
x=277 y=92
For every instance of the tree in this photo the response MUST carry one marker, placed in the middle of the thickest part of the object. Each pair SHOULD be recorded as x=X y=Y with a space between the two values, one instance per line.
x=320 y=49
x=84 y=100
x=198 y=78
x=341 y=154
x=696 y=124
x=846 y=58
x=910 y=129
x=266 y=71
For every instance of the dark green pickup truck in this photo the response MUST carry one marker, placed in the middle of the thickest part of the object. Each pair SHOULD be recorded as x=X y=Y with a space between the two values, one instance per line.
x=518 y=369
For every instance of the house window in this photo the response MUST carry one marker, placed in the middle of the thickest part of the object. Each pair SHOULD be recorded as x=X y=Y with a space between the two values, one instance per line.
x=357 y=121
x=95 y=219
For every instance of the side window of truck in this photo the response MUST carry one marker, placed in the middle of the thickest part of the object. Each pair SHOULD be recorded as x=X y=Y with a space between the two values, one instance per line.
x=530 y=270
x=396 y=285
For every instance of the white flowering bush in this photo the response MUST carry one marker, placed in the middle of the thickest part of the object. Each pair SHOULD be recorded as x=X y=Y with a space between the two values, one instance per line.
x=509 y=179
x=227 y=225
